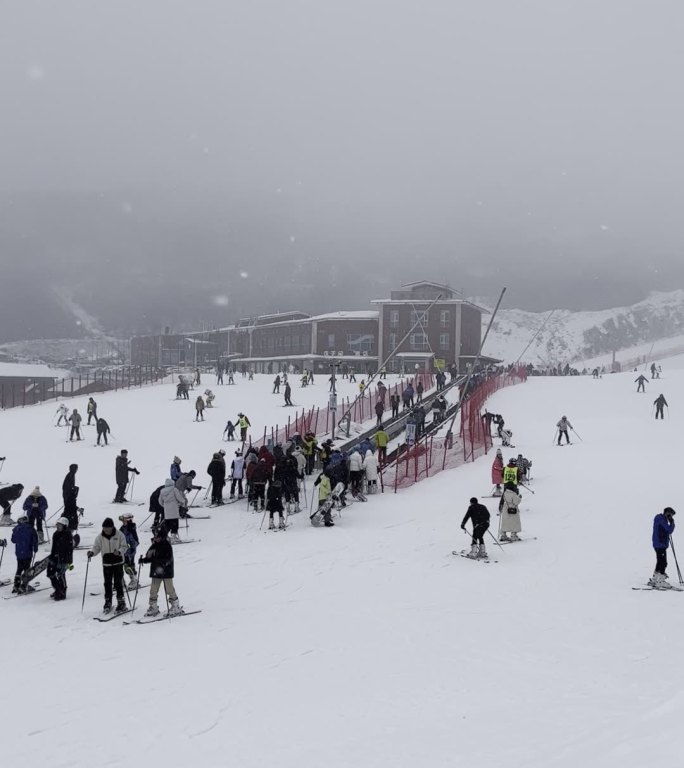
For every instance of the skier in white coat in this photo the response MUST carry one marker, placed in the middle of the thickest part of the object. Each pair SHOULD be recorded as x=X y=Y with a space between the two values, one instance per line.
x=172 y=500
x=509 y=513
x=370 y=465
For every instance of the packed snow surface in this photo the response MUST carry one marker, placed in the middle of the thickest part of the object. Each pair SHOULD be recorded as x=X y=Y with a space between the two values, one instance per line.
x=366 y=644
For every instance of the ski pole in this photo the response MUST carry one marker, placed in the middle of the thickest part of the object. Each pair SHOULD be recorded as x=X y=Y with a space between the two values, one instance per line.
x=263 y=517
x=146 y=519
x=55 y=513
x=527 y=487
x=85 y=583
x=3 y=544
x=555 y=434
x=125 y=586
x=674 y=554
x=577 y=435
x=211 y=482
x=2 y=463
x=495 y=540
x=166 y=595
x=137 y=586
x=132 y=486
x=192 y=501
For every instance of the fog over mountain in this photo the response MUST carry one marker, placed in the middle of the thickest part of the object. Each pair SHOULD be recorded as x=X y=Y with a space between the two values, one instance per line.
x=175 y=163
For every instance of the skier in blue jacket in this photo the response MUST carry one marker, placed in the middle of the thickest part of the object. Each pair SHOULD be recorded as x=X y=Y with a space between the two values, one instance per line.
x=25 y=540
x=663 y=527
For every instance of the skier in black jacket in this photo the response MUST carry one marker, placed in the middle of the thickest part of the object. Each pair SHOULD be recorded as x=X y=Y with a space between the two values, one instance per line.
x=156 y=507
x=69 y=496
x=478 y=514
x=61 y=558
x=217 y=471
x=122 y=470
x=660 y=402
x=160 y=557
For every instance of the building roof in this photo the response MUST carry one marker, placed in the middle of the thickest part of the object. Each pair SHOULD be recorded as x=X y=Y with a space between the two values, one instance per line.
x=31 y=371
x=361 y=314
x=429 y=282
x=439 y=303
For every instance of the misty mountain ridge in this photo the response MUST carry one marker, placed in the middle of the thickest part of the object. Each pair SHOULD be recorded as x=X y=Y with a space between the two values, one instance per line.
x=572 y=337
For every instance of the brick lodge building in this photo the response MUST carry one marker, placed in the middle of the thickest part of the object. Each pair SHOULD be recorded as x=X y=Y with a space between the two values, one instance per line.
x=447 y=333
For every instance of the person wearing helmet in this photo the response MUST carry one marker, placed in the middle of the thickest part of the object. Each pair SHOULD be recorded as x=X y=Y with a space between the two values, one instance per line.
x=160 y=558
x=130 y=532
x=113 y=546
x=563 y=425
x=61 y=558
x=25 y=540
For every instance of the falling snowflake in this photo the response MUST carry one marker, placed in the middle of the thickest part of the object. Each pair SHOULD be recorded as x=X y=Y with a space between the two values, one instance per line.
x=221 y=301
x=244 y=275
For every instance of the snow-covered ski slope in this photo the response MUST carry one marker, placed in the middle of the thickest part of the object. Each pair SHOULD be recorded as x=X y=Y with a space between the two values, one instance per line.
x=367 y=644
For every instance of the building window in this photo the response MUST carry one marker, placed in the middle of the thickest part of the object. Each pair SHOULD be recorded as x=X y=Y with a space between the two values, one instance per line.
x=359 y=342
x=444 y=318
x=392 y=342
x=444 y=341
x=419 y=316
x=331 y=341
x=419 y=342
x=394 y=317
x=288 y=341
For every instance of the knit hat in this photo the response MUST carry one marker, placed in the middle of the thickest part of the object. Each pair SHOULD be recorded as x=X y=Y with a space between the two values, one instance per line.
x=73 y=467
x=36 y=491
x=222 y=452
x=125 y=516
x=108 y=522
x=176 y=460
x=473 y=500
x=63 y=521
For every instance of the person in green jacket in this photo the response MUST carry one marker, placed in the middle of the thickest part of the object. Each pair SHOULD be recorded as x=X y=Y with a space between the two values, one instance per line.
x=381 y=439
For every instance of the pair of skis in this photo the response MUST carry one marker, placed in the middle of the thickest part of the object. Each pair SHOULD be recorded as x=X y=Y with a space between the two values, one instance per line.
x=153 y=619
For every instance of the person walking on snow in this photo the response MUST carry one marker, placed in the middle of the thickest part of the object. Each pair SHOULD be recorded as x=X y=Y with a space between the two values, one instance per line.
x=121 y=471
x=35 y=506
x=563 y=425
x=199 y=409
x=160 y=558
x=229 y=431
x=113 y=546
x=379 y=410
x=288 y=394
x=237 y=472
x=660 y=402
x=75 y=420
x=478 y=514
x=274 y=503
x=70 y=496
x=91 y=410
x=509 y=514
x=276 y=385
x=641 y=381
x=370 y=466
x=663 y=528
x=394 y=404
x=25 y=541
x=497 y=472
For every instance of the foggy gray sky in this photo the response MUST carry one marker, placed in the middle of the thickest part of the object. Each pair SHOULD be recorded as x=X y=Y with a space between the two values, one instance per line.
x=484 y=138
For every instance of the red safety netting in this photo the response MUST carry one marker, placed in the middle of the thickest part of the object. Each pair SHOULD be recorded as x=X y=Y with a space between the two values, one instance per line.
x=431 y=454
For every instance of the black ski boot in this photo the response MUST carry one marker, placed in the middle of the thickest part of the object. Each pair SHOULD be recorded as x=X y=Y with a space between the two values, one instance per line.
x=107 y=606
x=121 y=606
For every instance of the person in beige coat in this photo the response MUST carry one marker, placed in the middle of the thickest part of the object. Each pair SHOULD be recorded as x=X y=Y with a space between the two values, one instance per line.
x=509 y=513
x=113 y=546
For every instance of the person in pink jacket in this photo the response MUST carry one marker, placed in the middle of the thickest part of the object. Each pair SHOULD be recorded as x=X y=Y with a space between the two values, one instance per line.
x=497 y=472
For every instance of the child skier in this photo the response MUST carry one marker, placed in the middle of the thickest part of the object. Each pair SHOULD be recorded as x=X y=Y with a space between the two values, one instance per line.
x=61 y=558
x=229 y=430
x=63 y=413
x=160 y=558
x=130 y=532
x=35 y=506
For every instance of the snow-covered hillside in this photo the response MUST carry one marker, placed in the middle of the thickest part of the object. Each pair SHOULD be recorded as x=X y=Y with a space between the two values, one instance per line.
x=366 y=644
x=568 y=336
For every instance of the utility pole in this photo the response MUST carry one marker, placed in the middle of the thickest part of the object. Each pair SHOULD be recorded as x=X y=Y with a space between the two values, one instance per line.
x=332 y=403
